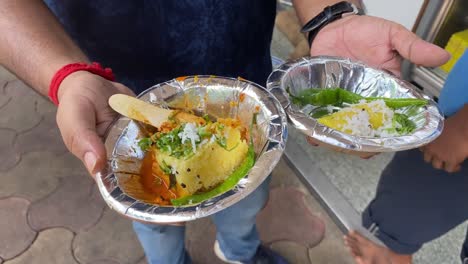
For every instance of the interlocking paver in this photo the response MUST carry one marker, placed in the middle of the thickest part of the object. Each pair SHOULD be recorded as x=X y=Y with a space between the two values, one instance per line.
x=75 y=204
x=38 y=174
x=104 y=261
x=293 y=252
x=15 y=233
x=4 y=98
x=5 y=75
x=112 y=237
x=200 y=238
x=52 y=246
x=283 y=176
x=332 y=242
x=286 y=217
x=45 y=107
x=9 y=158
x=35 y=138
x=19 y=114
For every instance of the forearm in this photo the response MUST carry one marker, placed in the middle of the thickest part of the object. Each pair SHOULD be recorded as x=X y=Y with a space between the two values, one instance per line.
x=33 y=44
x=307 y=9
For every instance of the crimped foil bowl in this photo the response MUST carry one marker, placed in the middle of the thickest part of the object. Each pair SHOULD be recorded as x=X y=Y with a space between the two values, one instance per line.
x=216 y=96
x=331 y=72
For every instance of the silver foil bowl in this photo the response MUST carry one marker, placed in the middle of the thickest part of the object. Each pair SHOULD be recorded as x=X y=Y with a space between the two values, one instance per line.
x=216 y=96
x=331 y=72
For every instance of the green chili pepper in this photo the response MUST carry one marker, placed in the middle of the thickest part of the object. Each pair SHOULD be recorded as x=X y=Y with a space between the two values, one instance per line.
x=396 y=103
x=337 y=96
x=227 y=185
x=406 y=125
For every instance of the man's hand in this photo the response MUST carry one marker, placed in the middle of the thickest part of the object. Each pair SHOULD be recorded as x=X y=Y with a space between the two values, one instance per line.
x=84 y=114
x=377 y=42
x=449 y=150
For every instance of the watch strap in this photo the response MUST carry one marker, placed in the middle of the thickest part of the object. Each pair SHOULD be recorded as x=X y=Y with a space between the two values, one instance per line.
x=328 y=15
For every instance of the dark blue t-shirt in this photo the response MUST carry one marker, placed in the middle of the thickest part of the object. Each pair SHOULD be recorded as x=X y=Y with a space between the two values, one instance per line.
x=149 y=41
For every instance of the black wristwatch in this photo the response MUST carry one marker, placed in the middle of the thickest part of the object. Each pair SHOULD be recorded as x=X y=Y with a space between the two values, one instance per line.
x=328 y=15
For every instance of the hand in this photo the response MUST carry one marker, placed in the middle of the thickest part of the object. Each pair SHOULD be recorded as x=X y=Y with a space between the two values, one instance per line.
x=84 y=114
x=449 y=150
x=377 y=42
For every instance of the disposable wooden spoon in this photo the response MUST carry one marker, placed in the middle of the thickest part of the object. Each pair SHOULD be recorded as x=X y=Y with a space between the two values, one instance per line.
x=142 y=111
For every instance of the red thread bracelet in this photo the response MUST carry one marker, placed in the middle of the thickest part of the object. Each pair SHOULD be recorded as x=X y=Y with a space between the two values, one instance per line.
x=66 y=70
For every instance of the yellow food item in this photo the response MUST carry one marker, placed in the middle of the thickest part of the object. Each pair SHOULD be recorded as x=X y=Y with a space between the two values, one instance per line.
x=210 y=165
x=362 y=118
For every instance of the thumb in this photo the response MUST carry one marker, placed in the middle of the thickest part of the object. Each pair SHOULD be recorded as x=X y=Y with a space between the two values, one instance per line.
x=416 y=50
x=76 y=120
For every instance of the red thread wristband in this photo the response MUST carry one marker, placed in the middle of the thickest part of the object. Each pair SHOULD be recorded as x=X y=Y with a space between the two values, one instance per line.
x=66 y=70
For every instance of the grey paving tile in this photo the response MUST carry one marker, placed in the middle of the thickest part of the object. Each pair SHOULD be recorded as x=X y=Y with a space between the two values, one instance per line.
x=4 y=98
x=52 y=246
x=44 y=136
x=38 y=174
x=104 y=261
x=293 y=252
x=281 y=47
x=45 y=107
x=284 y=176
x=286 y=217
x=200 y=238
x=5 y=75
x=76 y=205
x=9 y=158
x=111 y=238
x=15 y=233
x=332 y=241
x=19 y=114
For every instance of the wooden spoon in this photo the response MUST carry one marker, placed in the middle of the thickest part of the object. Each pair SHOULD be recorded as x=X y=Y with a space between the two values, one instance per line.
x=142 y=111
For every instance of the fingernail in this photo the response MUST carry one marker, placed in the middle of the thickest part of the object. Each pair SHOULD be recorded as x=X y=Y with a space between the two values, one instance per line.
x=90 y=161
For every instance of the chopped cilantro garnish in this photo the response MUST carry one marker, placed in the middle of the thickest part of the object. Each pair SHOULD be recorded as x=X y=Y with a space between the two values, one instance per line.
x=221 y=142
x=145 y=143
x=172 y=144
x=207 y=118
x=203 y=132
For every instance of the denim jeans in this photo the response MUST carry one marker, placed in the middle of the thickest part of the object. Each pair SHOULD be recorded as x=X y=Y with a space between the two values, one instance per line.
x=236 y=232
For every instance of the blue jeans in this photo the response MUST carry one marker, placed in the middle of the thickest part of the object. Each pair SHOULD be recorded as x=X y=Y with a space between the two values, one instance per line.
x=236 y=232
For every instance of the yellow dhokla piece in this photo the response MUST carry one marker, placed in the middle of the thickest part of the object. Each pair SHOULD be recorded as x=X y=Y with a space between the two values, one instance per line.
x=210 y=165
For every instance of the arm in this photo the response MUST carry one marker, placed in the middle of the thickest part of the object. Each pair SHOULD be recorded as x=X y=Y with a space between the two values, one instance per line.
x=450 y=149
x=307 y=9
x=33 y=44
x=375 y=41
